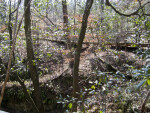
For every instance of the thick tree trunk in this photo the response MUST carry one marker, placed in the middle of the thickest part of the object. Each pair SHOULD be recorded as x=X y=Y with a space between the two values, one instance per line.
x=65 y=13
x=65 y=23
x=31 y=60
x=78 y=50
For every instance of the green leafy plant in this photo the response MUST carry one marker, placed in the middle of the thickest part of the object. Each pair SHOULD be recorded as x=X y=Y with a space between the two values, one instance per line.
x=144 y=73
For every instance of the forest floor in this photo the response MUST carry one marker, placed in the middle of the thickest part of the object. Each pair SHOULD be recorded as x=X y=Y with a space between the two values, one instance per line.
x=103 y=89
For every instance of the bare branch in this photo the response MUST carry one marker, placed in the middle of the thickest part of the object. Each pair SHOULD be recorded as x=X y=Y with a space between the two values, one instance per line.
x=131 y=14
x=44 y=16
x=16 y=8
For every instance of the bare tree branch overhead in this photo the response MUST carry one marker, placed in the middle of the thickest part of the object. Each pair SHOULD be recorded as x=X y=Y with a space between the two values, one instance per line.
x=131 y=14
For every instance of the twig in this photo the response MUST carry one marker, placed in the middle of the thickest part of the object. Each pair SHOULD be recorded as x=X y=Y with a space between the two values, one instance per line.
x=44 y=16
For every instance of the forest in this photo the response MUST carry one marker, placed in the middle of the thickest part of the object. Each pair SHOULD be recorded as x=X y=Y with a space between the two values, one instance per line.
x=75 y=56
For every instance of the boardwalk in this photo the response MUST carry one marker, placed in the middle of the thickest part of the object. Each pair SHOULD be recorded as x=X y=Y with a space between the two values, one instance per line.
x=98 y=42
x=124 y=39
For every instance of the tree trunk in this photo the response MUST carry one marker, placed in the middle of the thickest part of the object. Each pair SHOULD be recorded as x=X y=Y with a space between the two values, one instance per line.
x=102 y=11
x=65 y=23
x=30 y=57
x=74 y=16
x=10 y=23
x=47 y=3
x=65 y=13
x=10 y=30
x=78 y=50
